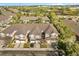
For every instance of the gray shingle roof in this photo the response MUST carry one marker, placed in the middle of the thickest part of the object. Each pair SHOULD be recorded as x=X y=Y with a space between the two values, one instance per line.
x=28 y=18
x=33 y=18
x=3 y=18
x=33 y=28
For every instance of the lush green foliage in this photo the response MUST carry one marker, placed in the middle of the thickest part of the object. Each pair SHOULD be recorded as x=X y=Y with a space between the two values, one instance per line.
x=43 y=44
x=16 y=19
x=0 y=12
x=26 y=45
x=66 y=37
x=11 y=46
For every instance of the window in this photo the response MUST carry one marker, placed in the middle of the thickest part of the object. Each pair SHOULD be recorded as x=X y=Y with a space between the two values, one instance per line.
x=21 y=35
x=37 y=37
x=32 y=36
x=54 y=35
x=32 y=41
x=17 y=41
x=43 y=35
x=22 y=41
x=46 y=35
x=16 y=36
x=49 y=41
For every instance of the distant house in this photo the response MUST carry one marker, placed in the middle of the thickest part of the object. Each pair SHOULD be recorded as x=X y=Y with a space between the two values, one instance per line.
x=59 y=12
x=33 y=19
x=13 y=10
x=74 y=27
x=33 y=33
x=4 y=41
x=73 y=18
x=28 y=19
x=4 y=19
x=8 y=13
x=73 y=23
x=45 y=19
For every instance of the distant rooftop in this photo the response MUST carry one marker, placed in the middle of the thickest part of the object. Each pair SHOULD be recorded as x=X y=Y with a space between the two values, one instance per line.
x=34 y=18
x=3 y=18
x=73 y=25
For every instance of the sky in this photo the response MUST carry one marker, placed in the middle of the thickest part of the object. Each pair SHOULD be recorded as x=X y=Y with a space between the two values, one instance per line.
x=39 y=1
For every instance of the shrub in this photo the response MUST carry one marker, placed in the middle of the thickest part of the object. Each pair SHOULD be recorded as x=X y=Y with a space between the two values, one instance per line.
x=26 y=45
x=66 y=38
x=43 y=45
x=11 y=46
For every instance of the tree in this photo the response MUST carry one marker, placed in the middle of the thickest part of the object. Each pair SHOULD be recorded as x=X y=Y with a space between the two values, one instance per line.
x=66 y=38
x=26 y=45
x=16 y=19
x=0 y=12
x=43 y=45
x=73 y=50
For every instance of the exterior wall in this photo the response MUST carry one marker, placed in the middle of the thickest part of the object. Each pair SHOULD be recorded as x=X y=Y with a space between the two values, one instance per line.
x=4 y=41
x=28 y=53
x=49 y=43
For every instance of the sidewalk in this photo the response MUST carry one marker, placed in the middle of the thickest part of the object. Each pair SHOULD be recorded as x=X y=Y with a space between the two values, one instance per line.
x=26 y=49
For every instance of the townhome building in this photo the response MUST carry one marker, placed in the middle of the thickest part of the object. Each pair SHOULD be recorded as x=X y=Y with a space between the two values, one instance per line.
x=32 y=33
